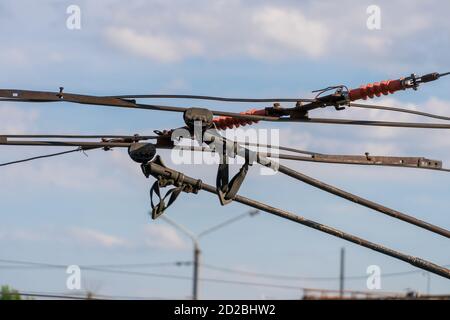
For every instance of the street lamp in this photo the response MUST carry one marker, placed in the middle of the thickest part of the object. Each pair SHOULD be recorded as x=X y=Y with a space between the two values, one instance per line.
x=195 y=241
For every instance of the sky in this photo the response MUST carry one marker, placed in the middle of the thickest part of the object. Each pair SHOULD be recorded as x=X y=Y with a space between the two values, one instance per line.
x=93 y=210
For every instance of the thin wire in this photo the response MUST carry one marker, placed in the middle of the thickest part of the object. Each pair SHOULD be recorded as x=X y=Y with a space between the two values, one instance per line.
x=177 y=277
x=40 y=157
x=269 y=146
x=53 y=295
x=143 y=265
x=207 y=266
x=368 y=123
x=214 y=98
x=20 y=265
x=419 y=113
x=289 y=277
x=75 y=297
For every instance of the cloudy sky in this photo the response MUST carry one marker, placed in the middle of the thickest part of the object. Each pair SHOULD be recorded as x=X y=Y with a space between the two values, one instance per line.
x=94 y=210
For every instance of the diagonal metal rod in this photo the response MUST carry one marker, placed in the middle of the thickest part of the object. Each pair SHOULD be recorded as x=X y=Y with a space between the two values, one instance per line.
x=233 y=149
x=362 y=201
x=263 y=160
x=158 y=170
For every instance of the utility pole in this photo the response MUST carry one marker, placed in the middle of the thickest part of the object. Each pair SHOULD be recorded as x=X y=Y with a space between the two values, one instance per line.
x=341 y=277
x=196 y=244
x=428 y=276
x=196 y=270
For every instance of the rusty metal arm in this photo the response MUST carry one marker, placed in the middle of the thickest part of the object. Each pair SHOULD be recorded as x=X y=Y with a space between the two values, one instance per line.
x=157 y=169
x=390 y=161
x=46 y=96
x=125 y=141
x=405 y=162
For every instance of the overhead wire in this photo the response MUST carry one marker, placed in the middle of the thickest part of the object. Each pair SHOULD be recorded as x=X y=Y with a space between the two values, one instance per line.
x=115 y=101
x=20 y=264
x=213 y=98
x=169 y=276
x=40 y=157
x=401 y=110
x=292 y=277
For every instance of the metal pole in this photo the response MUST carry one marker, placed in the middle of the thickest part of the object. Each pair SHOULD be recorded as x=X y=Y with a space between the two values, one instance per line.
x=196 y=244
x=196 y=271
x=341 y=278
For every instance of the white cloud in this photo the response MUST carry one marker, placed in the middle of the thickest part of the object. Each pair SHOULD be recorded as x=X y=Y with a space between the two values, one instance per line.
x=377 y=44
x=284 y=30
x=20 y=235
x=215 y=30
x=156 y=47
x=166 y=31
x=288 y=29
x=163 y=237
x=79 y=235
x=15 y=120
x=96 y=238
x=61 y=173
x=14 y=56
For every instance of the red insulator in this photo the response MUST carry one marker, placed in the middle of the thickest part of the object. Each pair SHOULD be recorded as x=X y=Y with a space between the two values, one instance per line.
x=376 y=89
x=224 y=122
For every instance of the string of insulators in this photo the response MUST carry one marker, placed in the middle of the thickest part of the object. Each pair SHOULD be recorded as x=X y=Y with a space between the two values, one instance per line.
x=224 y=122
x=364 y=92
x=376 y=89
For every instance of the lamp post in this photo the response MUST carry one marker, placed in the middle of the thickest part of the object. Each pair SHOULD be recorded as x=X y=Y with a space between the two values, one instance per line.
x=341 y=275
x=196 y=245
